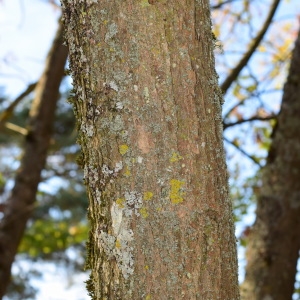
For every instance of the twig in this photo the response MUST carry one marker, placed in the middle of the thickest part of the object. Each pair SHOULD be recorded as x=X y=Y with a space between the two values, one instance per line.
x=253 y=46
x=254 y=118
x=16 y=128
x=5 y=115
x=243 y=152
x=217 y=6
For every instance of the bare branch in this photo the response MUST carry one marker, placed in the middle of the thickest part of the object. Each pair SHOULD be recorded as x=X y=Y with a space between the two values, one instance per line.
x=16 y=128
x=217 y=6
x=253 y=46
x=254 y=118
x=251 y=157
x=234 y=107
x=5 y=115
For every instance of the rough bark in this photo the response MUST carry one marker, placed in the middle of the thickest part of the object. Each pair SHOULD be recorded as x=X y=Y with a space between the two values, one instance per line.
x=20 y=204
x=274 y=243
x=149 y=116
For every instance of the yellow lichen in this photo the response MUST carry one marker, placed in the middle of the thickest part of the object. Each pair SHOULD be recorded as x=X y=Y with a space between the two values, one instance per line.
x=148 y=195
x=146 y=267
x=148 y=297
x=120 y=202
x=127 y=172
x=175 y=157
x=123 y=149
x=118 y=244
x=175 y=193
x=144 y=212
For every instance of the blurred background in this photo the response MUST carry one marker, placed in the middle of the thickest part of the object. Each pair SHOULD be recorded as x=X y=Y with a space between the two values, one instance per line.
x=253 y=44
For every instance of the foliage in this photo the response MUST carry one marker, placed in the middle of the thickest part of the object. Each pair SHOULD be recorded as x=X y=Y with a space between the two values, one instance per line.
x=59 y=221
x=57 y=225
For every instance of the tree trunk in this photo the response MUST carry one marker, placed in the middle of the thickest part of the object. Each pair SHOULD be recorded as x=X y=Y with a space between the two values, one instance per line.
x=274 y=243
x=20 y=204
x=149 y=115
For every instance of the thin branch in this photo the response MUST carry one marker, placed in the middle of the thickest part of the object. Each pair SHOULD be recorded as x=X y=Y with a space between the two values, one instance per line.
x=5 y=115
x=254 y=118
x=16 y=128
x=253 y=46
x=234 y=107
x=217 y=6
x=251 y=157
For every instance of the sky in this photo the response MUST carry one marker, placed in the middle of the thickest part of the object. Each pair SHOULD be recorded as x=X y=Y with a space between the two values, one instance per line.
x=27 y=28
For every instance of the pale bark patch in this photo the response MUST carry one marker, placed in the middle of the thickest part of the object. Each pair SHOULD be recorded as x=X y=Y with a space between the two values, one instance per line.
x=145 y=140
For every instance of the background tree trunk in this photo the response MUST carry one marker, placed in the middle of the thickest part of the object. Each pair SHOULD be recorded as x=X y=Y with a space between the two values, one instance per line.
x=149 y=116
x=20 y=204
x=274 y=243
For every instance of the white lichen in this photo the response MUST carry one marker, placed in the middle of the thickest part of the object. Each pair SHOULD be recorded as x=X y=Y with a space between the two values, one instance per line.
x=119 y=105
x=117 y=125
x=146 y=93
x=134 y=201
x=107 y=242
x=161 y=181
x=118 y=244
x=113 y=86
x=119 y=166
x=91 y=174
x=88 y=129
x=111 y=32
x=98 y=195
x=124 y=252
x=106 y=171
